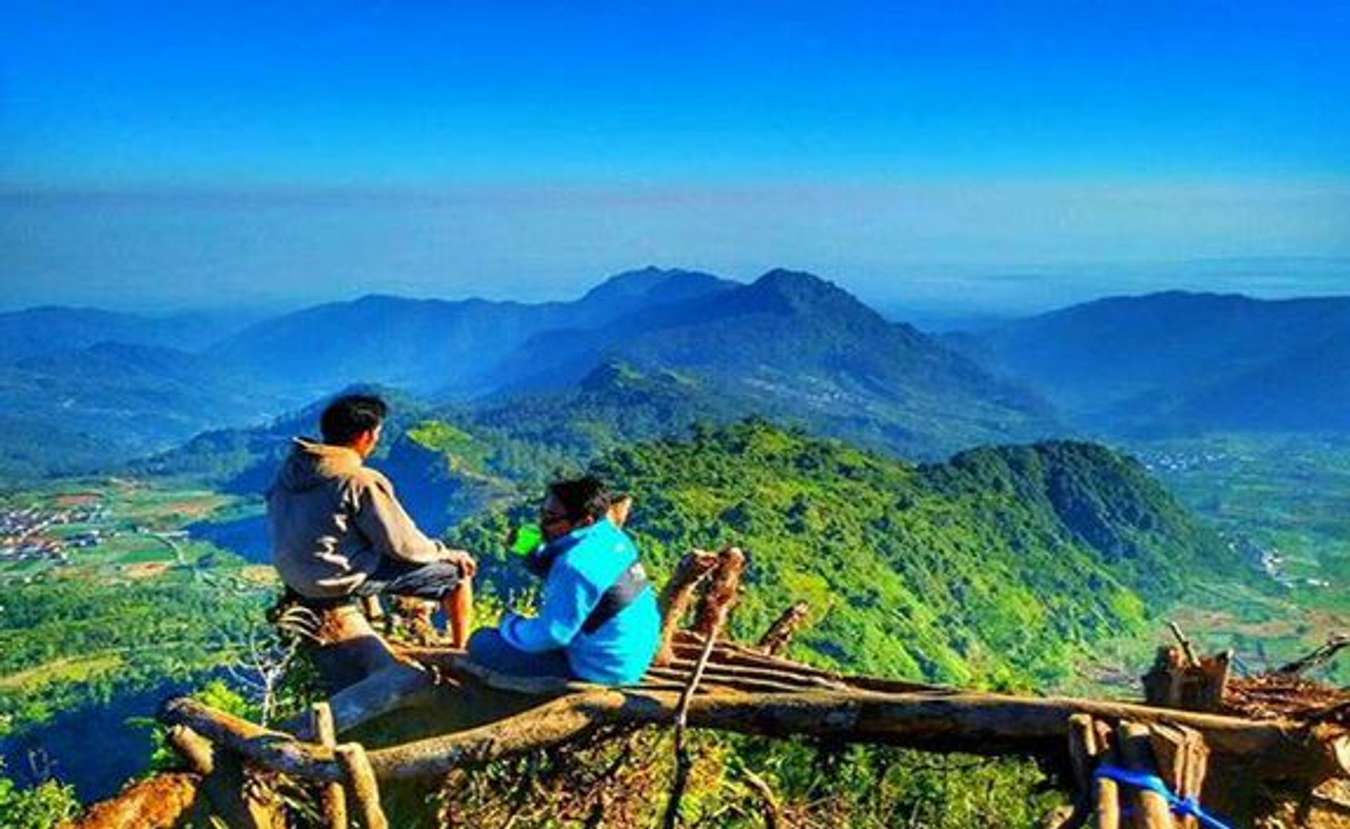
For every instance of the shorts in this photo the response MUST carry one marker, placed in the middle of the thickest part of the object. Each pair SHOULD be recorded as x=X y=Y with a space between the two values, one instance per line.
x=393 y=577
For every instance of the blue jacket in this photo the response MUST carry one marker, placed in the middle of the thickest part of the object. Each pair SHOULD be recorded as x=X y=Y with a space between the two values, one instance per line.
x=585 y=563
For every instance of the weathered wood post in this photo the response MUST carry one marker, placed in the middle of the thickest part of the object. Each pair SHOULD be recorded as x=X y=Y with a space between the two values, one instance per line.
x=1150 y=809
x=334 y=798
x=361 y=782
x=1107 y=791
x=721 y=593
x=678 y=595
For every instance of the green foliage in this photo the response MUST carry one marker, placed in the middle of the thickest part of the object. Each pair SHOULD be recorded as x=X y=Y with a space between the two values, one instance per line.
x=461 y=451
x=997 y=568
x=40 y=807
x=70 y=642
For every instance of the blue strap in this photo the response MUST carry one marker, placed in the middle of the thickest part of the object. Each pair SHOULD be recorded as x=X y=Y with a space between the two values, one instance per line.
x=1184 y=806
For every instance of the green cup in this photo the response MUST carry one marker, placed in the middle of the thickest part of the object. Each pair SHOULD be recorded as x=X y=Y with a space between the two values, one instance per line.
x=528 y=538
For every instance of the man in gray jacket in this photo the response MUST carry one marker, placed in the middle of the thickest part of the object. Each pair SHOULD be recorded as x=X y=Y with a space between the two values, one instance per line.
x=338 y=532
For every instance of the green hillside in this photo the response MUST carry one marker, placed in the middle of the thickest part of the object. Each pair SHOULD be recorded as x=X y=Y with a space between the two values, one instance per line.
x=997 y=567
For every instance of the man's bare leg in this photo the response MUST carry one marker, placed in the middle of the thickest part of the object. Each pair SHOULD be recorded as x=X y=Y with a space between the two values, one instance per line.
x=459 y=610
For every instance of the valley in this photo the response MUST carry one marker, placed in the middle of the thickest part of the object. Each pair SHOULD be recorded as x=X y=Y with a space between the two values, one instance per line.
x=932 y=501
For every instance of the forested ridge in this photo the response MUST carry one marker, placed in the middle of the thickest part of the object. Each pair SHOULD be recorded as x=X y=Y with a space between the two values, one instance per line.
x=994 y=568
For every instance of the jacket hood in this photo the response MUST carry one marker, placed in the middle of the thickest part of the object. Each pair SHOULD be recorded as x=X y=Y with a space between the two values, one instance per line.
x=312 y=464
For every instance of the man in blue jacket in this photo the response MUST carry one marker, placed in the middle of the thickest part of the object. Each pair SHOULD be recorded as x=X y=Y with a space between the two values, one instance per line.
x=598 y=619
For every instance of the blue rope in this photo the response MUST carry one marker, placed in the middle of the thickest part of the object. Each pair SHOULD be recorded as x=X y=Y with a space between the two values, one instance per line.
x=1184 y=806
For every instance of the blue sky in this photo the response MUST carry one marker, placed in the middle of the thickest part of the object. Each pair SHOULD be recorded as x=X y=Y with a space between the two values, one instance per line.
x=181 y=151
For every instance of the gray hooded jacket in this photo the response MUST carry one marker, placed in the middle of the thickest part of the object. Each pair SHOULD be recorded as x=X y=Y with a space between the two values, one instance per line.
x=330 y=518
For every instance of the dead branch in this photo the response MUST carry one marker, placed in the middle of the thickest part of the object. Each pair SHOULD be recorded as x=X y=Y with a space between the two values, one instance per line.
x=683 y=762
x=1177 y=680
x=1319 y=657
x=222 y=781
x=721 y=593
x=678 y=594
x=776 y=639
x=773 y=816
x=1107 y=791
x=1185 y=644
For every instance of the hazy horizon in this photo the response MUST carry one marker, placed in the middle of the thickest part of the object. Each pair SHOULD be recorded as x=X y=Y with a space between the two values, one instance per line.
x=936 y=295
x=979 y=160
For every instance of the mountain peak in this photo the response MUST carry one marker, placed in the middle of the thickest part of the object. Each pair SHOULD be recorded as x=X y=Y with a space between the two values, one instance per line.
x=609 y=374
x=678 y=283
x=798 y=285
x=799 y=292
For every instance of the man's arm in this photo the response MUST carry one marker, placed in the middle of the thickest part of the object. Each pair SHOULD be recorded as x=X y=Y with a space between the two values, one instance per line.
x=568 y=600
x=389 y=528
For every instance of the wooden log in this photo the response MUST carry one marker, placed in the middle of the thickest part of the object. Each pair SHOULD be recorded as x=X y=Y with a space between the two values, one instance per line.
x=776 y=639
x=333 y=798
x=1106 y=792
x=1163 y=683
x=725 y=684
x=349 y=649
x=678 y=595
x=1168 y=745
x=385 y=690
x=1181 y=758
x=1150 y=809
x=222 y=781
x=1176 y=682
x=968 y=722
x=1208 y=683
x=389 y=689
x=194 y=750
x=1195 y=767
x=163 y=801
x=721 y=593
x=727 y=653
x=1082 y=761
x=361 y=784
x=716 y=667
x=986 y=724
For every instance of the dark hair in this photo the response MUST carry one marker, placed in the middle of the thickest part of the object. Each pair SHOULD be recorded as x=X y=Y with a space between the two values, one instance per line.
x=583 y=498
x=349 y=416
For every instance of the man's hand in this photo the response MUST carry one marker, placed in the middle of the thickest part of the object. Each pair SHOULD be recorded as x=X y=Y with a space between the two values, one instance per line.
x=467 y=565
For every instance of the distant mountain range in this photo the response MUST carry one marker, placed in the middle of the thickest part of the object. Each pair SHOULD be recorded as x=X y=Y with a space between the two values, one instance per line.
x=1179 y=362
x=790 y=345
x=436 y=347
x=97 y=405
x=37 y=331
x=652 y=351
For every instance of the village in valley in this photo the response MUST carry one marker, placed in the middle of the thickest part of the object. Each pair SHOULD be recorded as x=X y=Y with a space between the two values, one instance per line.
x=134 y=529
x=34 y=533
